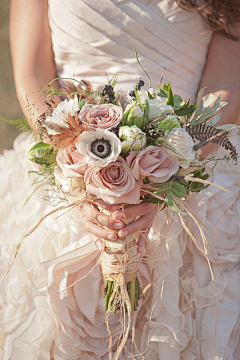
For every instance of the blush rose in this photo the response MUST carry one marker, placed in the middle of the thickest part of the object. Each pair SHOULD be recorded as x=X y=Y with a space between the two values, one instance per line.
x=154 y=163
x=71 y=161
x=104 y=116
x=113 y=183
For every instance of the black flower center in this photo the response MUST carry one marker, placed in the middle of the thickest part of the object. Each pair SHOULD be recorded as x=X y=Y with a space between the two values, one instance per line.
x=101 y=148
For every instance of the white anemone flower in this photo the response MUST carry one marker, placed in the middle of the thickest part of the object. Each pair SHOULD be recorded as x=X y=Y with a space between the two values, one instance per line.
x=99 y=147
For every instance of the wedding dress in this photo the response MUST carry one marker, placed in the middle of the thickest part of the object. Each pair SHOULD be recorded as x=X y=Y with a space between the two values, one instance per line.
x=185 y=315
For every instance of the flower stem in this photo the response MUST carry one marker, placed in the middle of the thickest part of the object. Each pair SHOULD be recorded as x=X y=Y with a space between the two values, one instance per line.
x=109 y=290
x=132 y=293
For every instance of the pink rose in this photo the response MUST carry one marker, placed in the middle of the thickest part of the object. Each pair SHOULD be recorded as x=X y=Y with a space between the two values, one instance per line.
x=113 y=183
x=71 y=161
x=105 y=116
x=153 y=162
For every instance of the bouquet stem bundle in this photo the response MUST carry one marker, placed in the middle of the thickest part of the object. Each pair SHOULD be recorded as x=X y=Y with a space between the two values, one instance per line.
x=119 y=262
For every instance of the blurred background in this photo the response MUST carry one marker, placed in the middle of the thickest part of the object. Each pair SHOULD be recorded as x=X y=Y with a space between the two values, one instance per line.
x=9 y=106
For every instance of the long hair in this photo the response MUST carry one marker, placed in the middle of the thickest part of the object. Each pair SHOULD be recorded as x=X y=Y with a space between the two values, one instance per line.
x=219 y=14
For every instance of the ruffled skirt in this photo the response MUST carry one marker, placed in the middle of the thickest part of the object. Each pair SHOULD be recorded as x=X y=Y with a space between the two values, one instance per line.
x=185 y=315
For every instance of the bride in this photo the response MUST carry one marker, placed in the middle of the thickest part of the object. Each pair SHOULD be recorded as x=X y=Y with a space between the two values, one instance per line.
x=186 y=315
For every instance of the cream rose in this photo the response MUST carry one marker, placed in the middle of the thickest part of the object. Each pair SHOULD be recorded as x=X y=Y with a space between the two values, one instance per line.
x=104 y=116
x=180 y=145
x=99 y=147
x=154 y=163
x=114 y=183
x=59 y=114
x=71 y=161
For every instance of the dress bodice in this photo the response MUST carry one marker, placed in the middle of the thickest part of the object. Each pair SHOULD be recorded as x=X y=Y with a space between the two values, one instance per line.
x=93 y=40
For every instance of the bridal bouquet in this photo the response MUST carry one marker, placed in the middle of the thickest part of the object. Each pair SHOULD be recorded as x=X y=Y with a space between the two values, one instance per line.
x=125 y=148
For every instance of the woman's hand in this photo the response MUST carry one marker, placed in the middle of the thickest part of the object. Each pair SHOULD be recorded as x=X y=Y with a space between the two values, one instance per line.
x=96 y=222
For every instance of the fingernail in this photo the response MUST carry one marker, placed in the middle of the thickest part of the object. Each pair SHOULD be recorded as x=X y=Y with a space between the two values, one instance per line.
x=118 y=225
x=115 y=208
x=99 y=244
x=118 y=216
x=111 y=236
x=124 y=233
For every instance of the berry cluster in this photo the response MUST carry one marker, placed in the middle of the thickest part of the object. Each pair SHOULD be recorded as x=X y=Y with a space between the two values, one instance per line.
x=152 y=132
x=109 y=93
x=139 y=85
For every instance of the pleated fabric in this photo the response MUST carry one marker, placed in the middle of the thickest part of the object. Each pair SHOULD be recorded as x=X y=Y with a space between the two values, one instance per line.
x=186 y=315
x=94 y=40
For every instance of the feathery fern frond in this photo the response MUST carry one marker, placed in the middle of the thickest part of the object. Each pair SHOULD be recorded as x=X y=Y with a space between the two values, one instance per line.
x=206 y=134
x=21 y=124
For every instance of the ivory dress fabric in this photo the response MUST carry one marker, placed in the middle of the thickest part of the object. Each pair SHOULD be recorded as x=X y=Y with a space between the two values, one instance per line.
x=185 y=315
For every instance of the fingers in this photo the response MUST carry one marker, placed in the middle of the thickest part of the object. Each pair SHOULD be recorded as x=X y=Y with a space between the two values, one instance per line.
x=144 y=221
x=98 y=231
x=98 y=242
x=105 y=206
x=133 y=211
x=89 y=212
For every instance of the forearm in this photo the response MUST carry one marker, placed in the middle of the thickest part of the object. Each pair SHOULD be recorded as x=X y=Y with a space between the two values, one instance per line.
x=32 y=55
x=28 y=91
x=222 y=76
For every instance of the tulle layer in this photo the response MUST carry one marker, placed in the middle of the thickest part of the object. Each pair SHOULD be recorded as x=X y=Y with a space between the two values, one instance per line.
x=185 y=315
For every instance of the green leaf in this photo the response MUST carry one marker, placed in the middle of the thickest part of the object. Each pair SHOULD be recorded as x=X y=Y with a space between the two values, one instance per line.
x=185 y=111
x=177 y=193
x=39 y=149
x=199 y=105
x=150 y=95
x=161 y=93
x=178 y=102
x=172 y=204
x=152 y=200
x=177 y=186
x=166 y=184
x=81 y=103
x=170 y=100
x=228 y=127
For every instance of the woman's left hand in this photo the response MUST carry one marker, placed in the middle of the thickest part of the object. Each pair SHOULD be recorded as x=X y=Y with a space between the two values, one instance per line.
x=146 y=213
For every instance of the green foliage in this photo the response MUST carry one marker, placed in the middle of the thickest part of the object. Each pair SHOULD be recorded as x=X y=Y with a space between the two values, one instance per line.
x=81 y=103
x=207 y=108
x=21 y=124
x=57 y=92
x=42 y=154
x=114 y=80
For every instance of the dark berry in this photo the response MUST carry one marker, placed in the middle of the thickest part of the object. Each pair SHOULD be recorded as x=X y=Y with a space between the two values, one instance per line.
x=131 y=93
x=160 y=132
x=151 y=133
x=156 y=135
x=140 y=83
x=108 y=89
x=103 y=93
x=151 y=127
x=110 y=98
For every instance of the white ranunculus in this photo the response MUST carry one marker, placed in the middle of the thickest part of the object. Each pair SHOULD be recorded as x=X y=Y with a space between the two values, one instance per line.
x=156 y=106
x=67 y=184
x=133 y=115
x=59 y=114
x=180 y=145
x=128 y=135
x=99 y=147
